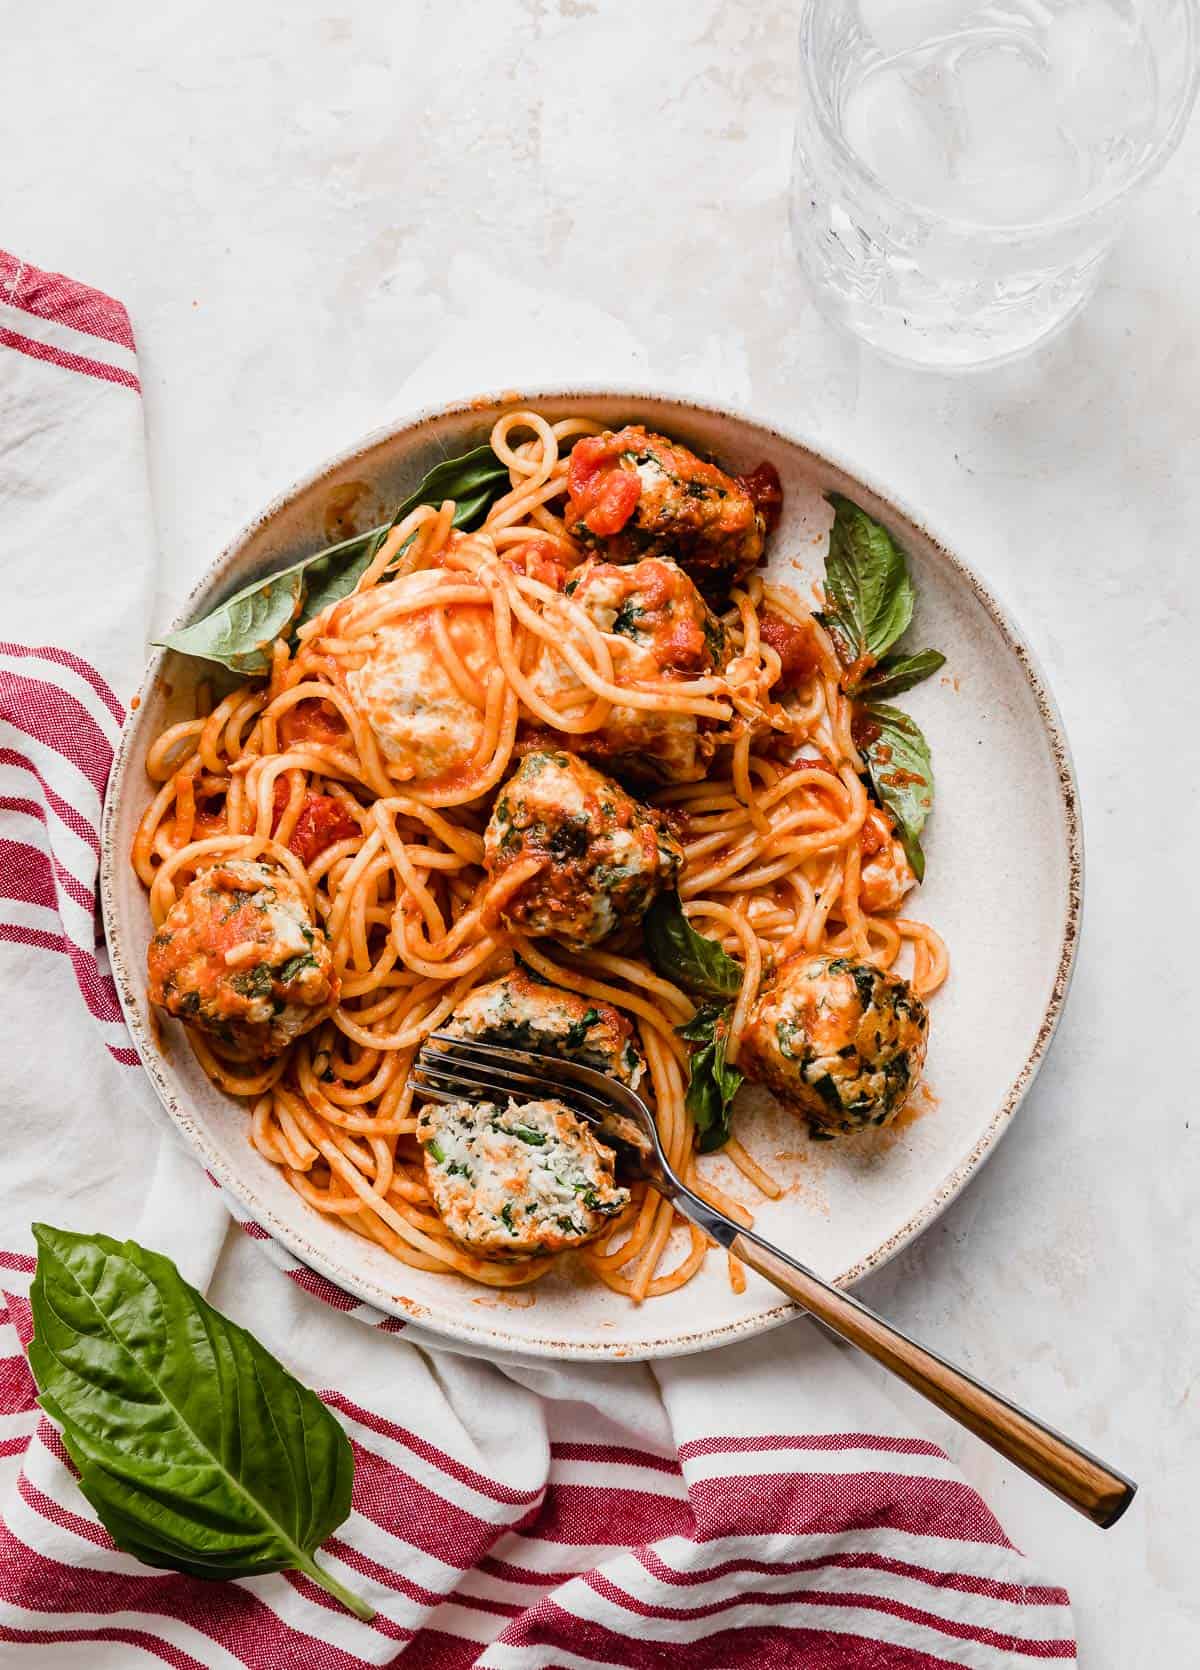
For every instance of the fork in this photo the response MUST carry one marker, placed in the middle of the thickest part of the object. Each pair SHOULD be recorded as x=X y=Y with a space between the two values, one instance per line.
x=452 y=1069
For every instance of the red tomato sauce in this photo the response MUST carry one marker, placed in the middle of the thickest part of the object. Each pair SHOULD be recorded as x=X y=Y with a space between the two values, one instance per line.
x=766 y=490
x=322 y=821
x=874 y=835
x=794 y=646
x=539 y=559
x=312 y=721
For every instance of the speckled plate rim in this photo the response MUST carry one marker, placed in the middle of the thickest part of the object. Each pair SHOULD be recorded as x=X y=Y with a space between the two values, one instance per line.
x=126 y=969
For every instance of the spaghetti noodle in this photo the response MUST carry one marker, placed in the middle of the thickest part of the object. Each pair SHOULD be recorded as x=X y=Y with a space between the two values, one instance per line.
x=784 y=851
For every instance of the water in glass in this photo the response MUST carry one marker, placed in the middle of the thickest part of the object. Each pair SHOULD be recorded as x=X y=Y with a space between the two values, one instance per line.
x=962 y=168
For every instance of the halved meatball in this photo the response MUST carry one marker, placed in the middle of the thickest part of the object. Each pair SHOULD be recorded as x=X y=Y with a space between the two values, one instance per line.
x=517 y=1181
x=605 y=857
x=633 y=493
x=841 y=1043
x=527 y=1014
x=663 y=629
x=239 y=956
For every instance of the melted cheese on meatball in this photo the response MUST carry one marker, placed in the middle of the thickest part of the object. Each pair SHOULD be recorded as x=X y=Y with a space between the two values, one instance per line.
x=886 y=874
x=426 y=727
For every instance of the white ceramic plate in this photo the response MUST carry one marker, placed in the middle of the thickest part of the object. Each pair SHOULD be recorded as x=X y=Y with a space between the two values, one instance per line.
x=1004 y=884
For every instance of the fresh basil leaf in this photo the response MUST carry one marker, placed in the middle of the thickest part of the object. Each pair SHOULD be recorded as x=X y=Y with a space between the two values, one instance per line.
x=198 y=1450
x=901 y=771
x=897 y=673
x=475 y=480
x=333 y=574
x=869 y=593
x=239 y=633
x=712 y=1084
x=679 y=953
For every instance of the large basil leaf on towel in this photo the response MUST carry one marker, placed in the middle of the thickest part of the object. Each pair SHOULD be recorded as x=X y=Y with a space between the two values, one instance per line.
x=239 y=632
x=198 y=1450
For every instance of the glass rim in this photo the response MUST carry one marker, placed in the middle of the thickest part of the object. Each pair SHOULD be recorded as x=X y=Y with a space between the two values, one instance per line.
x=1155 y=158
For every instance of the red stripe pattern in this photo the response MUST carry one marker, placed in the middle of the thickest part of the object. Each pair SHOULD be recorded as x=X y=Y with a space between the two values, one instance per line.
x=67 y=360
x=55 y=297
x=59 y=739
x=574 y=1570
x=52 y=319
x=845 y=1551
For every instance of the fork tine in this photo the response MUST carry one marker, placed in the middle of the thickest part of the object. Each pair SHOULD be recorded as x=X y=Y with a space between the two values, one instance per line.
x=472 y=1079
x=492 y=1072
x=556 y=1067
x=433 y=1094
x=455 y=1061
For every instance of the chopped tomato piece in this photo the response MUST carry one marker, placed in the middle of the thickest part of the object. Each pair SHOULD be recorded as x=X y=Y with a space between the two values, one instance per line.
x=794 y=646
x=322 y=821
x=312 y=720
x=683 y=646
x=539 y=559
x=603 y=495
x=609 y=501
x=587 y=457
x=765 y=488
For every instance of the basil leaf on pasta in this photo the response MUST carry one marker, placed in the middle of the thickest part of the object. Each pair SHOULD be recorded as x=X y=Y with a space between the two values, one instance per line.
x=239 y=632
x=679 y=953
x=897 y=673
x=333 y=574
x=901 y=771
x=474 y=481
x=712 y=1084
x=869 y=596
x=196 y=1447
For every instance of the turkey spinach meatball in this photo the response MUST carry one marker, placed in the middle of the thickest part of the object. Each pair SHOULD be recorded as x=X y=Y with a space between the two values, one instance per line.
x=604 y=857
x=527 y=1014
x=634 y=493
x=239 y=956
x=425 y=726
x=662 y=629
x=841 y=1043
x=655 y=607
x=517 y=1181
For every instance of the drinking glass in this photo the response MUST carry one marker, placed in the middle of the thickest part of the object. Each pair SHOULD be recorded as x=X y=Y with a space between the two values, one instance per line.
x=962 y=168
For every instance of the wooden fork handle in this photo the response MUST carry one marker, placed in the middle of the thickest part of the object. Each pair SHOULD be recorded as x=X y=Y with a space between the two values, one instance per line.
x=1072 y=1473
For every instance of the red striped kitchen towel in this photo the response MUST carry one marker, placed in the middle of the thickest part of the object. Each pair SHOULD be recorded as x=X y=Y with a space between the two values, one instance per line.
x=755 y=1507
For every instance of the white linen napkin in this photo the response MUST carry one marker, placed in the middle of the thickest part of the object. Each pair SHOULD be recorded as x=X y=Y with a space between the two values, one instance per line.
x=757 y=1506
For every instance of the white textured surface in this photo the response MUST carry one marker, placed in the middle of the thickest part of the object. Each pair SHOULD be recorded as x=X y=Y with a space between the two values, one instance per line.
x=322 y=217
